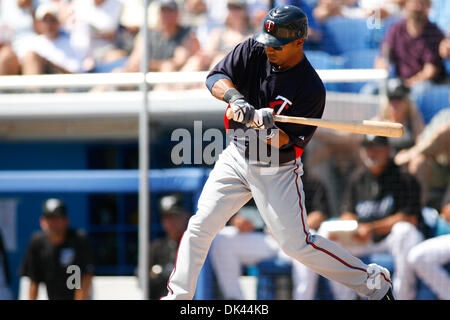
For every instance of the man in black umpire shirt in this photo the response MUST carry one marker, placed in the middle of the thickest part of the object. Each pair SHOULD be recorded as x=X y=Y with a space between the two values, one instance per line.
x=56 y=254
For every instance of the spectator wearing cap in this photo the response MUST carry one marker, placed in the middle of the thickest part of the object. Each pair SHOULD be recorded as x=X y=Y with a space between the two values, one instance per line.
x=400 y=108
x=163 y=251
x=51 y=51
x=412 y=47
x=170 y=43
x=50 y=253
x=385 y=202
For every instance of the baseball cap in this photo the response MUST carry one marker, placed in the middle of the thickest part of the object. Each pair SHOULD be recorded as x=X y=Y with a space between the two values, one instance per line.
x=237 y=3
x=46 y=8
x=171 y=205
x=168 y=4
x=54 y=208
x=374 y=141
x=396 y=89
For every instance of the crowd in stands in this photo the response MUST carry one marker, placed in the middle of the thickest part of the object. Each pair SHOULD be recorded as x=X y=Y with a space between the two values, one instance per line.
x=74 y=36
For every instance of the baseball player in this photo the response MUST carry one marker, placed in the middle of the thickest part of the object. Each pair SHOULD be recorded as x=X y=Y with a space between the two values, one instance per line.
x=263 y=75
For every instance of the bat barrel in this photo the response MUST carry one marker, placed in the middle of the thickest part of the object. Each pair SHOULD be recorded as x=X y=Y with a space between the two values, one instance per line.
x=378 y=128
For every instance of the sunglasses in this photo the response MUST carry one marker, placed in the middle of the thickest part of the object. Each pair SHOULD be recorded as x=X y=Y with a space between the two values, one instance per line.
x=50 y=19
x=235 y=7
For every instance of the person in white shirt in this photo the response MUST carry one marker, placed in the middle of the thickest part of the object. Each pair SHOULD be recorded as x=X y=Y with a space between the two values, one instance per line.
x=16 y=28
x=51 y=51
x=94 y=26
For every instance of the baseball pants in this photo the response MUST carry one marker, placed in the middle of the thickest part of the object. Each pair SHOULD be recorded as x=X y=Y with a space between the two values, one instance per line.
x=232 y=249
x=427 y=259
x=398 y=243
x=279 y=197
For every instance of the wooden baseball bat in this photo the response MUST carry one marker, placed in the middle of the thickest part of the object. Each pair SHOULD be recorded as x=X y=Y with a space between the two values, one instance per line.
x=377 y=128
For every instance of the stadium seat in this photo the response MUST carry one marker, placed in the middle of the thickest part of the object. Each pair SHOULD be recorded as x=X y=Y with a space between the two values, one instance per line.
x=432 y=100
x=268 y=270
x=377 y=32
x=321 y=60
x=358 y=59
x=447 y=65
x=342 y=34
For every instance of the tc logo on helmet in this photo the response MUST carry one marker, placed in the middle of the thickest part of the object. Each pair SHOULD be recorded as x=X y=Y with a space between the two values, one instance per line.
x=270 y=25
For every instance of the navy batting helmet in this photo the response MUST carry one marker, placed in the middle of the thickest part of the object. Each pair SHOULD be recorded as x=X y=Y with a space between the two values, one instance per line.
x=282 y=25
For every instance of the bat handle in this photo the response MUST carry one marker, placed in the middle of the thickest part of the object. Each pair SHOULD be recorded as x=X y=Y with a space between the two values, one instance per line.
x=229 y=113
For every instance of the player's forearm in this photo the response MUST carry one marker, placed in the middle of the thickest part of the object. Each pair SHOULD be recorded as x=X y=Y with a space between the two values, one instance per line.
x=279 y=140
x=384 y=226
x=348 y=216
x=83 y=292
x=220 y=87
x=33 y=290
x=428 y=72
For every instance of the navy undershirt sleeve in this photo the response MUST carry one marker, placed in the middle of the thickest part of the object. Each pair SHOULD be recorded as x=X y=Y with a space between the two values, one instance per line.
x=211 y=80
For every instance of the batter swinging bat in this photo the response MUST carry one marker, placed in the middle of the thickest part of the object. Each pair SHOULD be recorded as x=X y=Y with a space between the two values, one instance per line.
x=377 y=128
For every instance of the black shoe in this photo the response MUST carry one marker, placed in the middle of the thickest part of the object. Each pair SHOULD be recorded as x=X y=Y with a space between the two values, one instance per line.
x=388 y=295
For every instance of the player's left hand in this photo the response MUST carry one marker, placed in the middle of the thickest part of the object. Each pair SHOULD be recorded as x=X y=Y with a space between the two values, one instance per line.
x=263 y=119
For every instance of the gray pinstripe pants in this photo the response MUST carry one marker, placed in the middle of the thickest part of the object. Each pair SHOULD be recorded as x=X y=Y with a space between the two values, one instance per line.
x=279 y=197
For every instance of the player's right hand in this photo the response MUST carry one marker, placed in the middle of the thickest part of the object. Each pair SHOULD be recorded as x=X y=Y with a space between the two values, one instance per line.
x=242 y=111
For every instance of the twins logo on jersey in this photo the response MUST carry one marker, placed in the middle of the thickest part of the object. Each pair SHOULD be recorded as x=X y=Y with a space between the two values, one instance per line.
x=280 y=104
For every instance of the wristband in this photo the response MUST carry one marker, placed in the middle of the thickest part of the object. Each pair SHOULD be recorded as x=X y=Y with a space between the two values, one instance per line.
x=232 y=95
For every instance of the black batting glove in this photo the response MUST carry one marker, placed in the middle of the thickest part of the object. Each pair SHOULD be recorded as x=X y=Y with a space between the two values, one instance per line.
x=243 y=111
